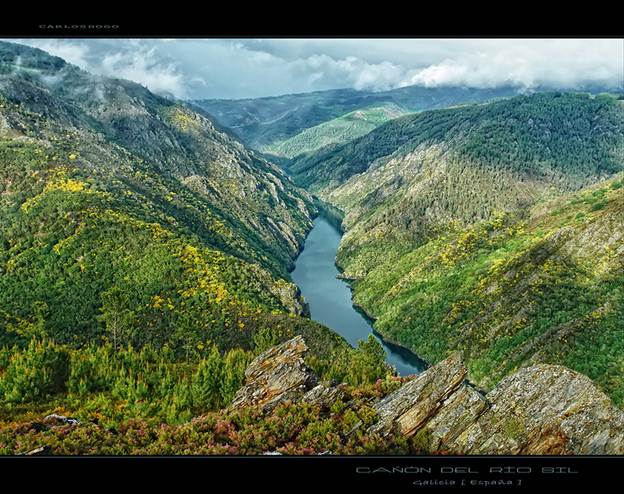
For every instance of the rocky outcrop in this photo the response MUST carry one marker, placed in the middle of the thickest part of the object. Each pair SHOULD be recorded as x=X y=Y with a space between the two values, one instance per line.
x=410 y=406
x=275 y=376
x=540 y=409
x=545 y=409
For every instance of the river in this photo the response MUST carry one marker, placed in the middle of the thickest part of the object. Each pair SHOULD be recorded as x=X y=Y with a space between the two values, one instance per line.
x=329 y=297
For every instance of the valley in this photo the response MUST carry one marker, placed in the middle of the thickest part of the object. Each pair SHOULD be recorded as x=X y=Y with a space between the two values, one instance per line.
x=350 y=271
x=329 y=297
x=495 y=238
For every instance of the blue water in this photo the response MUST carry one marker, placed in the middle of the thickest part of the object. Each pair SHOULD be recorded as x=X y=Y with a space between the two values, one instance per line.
x=329 y=297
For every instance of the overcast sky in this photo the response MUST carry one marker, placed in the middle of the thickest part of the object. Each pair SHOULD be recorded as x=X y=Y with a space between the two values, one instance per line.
x=249 y=68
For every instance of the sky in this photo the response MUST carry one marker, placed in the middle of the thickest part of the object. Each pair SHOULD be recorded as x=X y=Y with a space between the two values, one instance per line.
x=252 y=68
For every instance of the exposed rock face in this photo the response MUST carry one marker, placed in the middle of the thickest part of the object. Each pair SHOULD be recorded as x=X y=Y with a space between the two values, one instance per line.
x=415 y=402
x=322 y=395
x=276 y=376
x=542 y=409
x=545 y=409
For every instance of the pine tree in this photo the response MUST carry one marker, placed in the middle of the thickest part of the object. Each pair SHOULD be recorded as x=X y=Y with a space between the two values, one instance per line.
x=206 y=382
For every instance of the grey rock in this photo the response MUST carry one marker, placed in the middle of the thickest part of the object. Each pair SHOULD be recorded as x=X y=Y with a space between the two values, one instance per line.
x=322 y=395
x=541 y=409
x=55 y=419
x=410 y=406
x=276 y=376
x=545 y=409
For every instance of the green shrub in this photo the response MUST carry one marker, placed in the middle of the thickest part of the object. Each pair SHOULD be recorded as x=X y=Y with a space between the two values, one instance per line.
x=37 y=372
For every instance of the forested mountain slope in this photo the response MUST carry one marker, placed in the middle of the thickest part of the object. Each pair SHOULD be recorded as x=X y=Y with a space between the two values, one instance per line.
x=105 y=184
x=143 y=251
x=176 y=147
x=415 y=176
x=461 y=232
x=560 y=136
x=545 y=286
x=334 y=132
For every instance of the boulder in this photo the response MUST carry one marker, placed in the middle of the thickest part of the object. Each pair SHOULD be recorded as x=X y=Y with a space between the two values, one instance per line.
x=41 y=451
x=55 y=419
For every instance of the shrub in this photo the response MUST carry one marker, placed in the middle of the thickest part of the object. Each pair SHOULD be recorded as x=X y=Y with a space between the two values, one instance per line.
x=35 y=373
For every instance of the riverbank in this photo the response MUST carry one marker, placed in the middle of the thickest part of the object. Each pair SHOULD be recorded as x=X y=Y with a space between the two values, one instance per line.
x=329 y=298
x=331 y=213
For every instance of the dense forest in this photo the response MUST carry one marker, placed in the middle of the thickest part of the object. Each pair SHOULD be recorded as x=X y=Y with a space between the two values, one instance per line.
x=564 y=137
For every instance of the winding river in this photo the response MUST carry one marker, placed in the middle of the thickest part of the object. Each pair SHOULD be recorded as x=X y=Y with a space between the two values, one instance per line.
x=329 y=297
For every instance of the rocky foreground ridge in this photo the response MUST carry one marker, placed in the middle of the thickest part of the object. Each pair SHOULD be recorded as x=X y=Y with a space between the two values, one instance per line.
x=540 y=409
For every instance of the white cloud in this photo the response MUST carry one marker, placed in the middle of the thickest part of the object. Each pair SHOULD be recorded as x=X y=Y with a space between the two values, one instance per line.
x=142 y=66
x=204 y=68
x=74 y=53
x=128 y=59
x=554 y=63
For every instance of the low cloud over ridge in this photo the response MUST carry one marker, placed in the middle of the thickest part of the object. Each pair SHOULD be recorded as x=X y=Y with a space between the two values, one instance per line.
x=218 y=68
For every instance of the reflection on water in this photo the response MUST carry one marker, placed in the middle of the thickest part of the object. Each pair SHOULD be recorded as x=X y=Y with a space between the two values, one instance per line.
x=329 y=297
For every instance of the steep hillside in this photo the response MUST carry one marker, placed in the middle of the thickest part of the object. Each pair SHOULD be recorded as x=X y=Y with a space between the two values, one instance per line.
x=416 y=176
x=463 y=233
x=264 y=122
x=546 y=287
x=559 y=136
x=131 y=219
x=160 y=148
x=143 y=253
x=333 y=132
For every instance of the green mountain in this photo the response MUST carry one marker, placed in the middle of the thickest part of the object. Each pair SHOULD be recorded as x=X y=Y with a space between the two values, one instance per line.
x=268 y=122
x=543 y=287
x=546 y=134
x=144 y=252
x=335 y=131
x=461 y=233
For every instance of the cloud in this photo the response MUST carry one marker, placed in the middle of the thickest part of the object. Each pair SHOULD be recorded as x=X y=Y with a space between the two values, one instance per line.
x=75 y=53
x=142 y=66
x=124 y=59
x=229 y=68
x=563 y=63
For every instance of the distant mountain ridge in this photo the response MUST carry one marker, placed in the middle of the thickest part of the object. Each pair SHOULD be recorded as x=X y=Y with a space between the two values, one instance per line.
x=333 y=132
x=263 y=122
